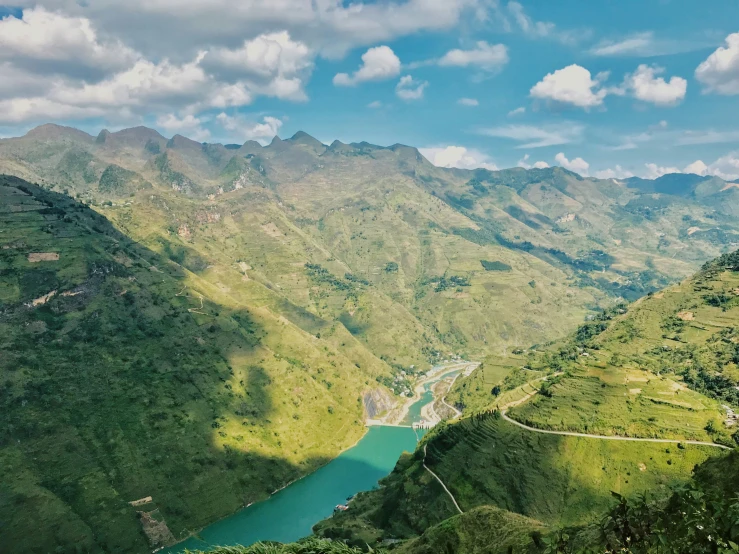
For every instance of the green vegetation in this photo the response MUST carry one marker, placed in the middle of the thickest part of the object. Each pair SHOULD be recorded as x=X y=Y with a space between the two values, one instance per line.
x=515 y=470
x=495 y=266
x=308 y=546
x=232 y=296
x=124 y=376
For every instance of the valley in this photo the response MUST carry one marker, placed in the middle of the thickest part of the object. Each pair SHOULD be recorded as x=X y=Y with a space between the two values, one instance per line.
x=189 y=327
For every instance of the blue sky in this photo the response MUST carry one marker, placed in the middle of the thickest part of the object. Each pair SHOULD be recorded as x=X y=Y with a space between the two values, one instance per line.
x=606 y=88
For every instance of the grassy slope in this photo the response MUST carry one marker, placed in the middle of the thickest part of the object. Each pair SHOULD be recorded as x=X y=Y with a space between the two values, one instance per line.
x=663 y=369
x=635 y=380
x=486 y=461
x=122 y=386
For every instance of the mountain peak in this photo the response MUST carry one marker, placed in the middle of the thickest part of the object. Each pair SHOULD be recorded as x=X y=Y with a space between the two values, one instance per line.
x=52 y=131
x=180 y=142
x=301 y=137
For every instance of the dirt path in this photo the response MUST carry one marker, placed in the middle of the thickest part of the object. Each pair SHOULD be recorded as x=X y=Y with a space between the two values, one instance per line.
x=440 y=482
x=504 y=409
x=608 y=437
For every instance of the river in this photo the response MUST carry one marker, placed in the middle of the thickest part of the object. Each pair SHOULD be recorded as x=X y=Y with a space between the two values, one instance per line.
x=290 y=514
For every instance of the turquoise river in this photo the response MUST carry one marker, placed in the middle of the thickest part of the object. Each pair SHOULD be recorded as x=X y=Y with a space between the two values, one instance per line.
x=289 y=514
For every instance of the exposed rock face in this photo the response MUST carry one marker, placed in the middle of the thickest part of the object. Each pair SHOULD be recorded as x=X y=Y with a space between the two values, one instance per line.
x=376 y=402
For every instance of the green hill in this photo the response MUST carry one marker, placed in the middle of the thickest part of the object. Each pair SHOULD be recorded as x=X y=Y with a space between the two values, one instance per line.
x=126 y=376
x=661 y=367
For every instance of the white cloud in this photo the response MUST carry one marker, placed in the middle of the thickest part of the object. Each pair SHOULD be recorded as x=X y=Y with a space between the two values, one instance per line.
x=654 y=171
x=378 y=63
x=486 y=56
x=457 y=156
x=578 y=165
x=409 y=88
x=171 y=28
x=726 y=167
x=570 y=85
x=540 y=29
x=697 y=167
x=468 y=102
x=121 y=61
x=645 y=44
x=524 y=162
x=644 y=85
x=189 y=126
x=517 y=111
x=375 y=105
x=244 y=129
x=537 y=137
x=720 y=71
x=71 y=43
x=617 y=172
x=272 y=64
x=633 y=45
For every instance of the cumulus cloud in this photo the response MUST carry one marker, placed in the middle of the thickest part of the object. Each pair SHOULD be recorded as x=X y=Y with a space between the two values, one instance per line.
x=56 y=43
x=726 y=167
x=188 y=125
x=241 y=128
x=457 y=156
x=536 y=137
x=121 y=61
x=378 y=63
x=571 y=85
x=578 y=165
x=645 y=85
x=698 y=167
x=616 y=172
x=409 y=88
x=375 y=104
x=488 y=57
x=654 y=171
x=524 y=162
x=517 y=111
x=720 y=71
x=168 y=28
x=271 y=64
x=471 y=102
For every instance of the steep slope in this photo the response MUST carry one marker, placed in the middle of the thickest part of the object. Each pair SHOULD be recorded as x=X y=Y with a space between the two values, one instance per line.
x=659 y=369
x=125 y=376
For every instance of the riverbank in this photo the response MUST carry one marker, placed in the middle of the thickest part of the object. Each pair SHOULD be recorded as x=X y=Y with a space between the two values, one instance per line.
x=291 y=512
x=398 y=413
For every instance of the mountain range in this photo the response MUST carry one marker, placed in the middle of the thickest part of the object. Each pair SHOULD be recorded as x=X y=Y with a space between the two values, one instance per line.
x=165 y=300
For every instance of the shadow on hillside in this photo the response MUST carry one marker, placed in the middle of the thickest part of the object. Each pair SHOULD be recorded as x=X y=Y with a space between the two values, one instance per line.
x=117 y=389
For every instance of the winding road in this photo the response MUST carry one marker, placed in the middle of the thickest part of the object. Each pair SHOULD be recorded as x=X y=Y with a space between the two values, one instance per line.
x=504 y=415
x=609 y=437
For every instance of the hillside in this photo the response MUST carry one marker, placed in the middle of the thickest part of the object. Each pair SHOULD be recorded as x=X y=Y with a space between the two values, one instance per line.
x=660 y=368
x=376 y=238
x=125 y=376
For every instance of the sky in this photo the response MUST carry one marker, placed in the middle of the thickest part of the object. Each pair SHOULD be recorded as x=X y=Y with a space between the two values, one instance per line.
x=606 y=88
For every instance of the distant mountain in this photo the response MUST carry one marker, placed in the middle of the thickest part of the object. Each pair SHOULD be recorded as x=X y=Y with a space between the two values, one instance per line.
x=356 y=208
